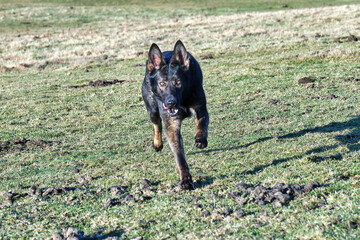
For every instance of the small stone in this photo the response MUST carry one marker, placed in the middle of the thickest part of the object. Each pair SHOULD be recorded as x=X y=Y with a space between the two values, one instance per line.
x=269 y=199
x=195 y=198
x=239 y=213
x=129 y=198
x=138 y=238
x=288 y=191
x=116 y=190
x=244 y=195
x=353 y=224
x=32 y=190
x=57 y=236
x=241 y=201
x=117 y=238
x=88 y=178
x=277 y=204
x=72 y=232
x=310 y=186
x=197 y=206
x=273 y=102
x=143 y=224
x=145 y=183
x=216 y=216
x=111 y=202
x=227 y=211
x=212 y=195
x=5 y=144
x=11 y=197
x=331 y=96
x=205 y=213
x=73 y=238
x=282 y=197
x=99 y=190
x=242 y=186
x=76 y=170
x=279 y=186
x=63 y=153
x=352 y=38
x=261 y=202
x=233 y=194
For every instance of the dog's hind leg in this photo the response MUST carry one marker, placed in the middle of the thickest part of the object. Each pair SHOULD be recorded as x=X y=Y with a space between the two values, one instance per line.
x=173 y=134
x=156 y=120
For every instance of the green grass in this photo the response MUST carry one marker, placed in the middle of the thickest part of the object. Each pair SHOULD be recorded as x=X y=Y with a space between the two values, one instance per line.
x=105 y=131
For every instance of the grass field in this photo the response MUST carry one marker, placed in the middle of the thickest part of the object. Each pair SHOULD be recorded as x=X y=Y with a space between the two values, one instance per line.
x=73 y=141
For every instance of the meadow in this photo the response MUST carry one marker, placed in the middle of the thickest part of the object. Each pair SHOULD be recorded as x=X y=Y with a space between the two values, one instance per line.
x=282 y=80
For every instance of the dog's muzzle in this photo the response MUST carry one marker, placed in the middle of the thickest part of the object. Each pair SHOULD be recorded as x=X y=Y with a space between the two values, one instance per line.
x=171 y=111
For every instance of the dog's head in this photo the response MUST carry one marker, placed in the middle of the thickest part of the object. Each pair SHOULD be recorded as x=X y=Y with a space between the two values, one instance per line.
x=168 y=80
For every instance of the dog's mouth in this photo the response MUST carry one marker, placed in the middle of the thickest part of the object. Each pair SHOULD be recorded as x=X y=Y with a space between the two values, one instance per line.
x=171 y=111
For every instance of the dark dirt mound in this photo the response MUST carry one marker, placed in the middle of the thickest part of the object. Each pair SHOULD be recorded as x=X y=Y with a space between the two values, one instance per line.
x=352 y=38
x=351 y=79
x=11 y=196
x=207 y=57
x=98 y=83
x=280 y=194
x=22 y=144
x=75 y=234
x=306 y=80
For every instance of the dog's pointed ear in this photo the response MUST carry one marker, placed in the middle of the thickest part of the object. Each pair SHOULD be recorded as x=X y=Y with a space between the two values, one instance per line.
x=155 y=58
x=180 y=55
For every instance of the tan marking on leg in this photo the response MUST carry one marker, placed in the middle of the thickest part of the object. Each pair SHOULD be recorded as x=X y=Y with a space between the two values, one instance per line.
x=157 y=136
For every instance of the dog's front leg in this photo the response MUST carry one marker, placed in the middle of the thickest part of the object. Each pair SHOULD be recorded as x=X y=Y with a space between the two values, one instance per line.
x=173 y=133
x=202 y=122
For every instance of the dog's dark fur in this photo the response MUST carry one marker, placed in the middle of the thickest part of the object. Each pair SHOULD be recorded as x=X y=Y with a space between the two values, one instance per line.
x=172 y=90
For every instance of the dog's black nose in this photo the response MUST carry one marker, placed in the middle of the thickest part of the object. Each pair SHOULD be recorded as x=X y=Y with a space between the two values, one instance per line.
x=171 y=102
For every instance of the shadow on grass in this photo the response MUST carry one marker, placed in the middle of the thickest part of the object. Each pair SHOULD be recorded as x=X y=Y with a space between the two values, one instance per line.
x=201 y=183
x=350 y=140
x=116 y=233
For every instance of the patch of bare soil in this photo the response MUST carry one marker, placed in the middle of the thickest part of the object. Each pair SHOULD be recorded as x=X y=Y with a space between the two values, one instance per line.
x=306 y=80
x=22 y=144
x=279 y=195
x=71 y=233
x=98 y=83
x=36 y=191
x=207 y=57
x=350 y=38
x=8 y=69
x=122 y=196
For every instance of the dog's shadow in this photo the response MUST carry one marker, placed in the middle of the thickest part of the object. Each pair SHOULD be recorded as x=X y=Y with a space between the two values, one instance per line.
x=350 y=140
x=203 y=182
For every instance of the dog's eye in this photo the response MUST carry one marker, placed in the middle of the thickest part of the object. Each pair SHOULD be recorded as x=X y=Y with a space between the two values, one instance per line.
x=162 y=84
x=178 y=82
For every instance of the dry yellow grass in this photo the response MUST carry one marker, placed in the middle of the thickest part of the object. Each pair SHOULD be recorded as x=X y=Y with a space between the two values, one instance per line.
x=124 y=34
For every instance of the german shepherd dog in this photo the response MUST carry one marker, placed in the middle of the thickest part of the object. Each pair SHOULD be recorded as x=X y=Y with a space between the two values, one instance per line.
x=172 y=91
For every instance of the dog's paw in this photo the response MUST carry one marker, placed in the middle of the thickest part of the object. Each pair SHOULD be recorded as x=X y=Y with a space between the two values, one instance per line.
x=201 y=142
x=157 y=148
x=186 y=184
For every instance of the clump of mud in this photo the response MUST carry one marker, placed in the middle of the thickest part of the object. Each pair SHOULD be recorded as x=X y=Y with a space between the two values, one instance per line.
x=71 y=233
x=279 y=195
x=121 y=195
x=306 y=80
x=98 y=83
x=22 y=144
